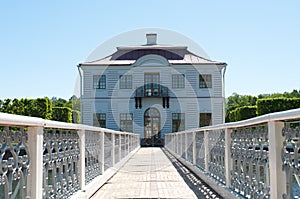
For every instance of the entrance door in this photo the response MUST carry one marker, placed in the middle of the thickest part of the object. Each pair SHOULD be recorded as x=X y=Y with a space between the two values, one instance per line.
x=152 y=125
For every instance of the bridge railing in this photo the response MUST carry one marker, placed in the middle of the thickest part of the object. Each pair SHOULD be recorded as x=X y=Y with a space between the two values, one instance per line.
x=257 y=158
x=47 y=159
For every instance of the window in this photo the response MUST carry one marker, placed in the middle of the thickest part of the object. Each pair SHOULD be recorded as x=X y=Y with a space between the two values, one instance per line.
x=126 y=122
x=151 y=82
x=178 y=81
x=125 y=81
x=178 y=122
x=99 y=81
x=205 y=119
x=100 y=120
x=205 y=81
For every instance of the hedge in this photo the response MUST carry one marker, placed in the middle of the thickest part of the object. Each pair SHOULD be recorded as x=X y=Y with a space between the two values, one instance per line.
x=242 y=113
x=76 y=117
x=63 y=114
x=270 y=105
x=40 y=107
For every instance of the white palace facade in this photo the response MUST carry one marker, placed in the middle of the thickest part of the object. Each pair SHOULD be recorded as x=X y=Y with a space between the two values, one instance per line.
x=152 y=90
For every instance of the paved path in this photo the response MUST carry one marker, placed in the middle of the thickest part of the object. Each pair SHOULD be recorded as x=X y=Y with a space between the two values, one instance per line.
x=148 y=174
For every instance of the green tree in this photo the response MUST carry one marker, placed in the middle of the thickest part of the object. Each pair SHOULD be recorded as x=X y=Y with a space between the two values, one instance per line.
x=6 y=106
x=236 y=101
x=63 y=114
x=58 y=102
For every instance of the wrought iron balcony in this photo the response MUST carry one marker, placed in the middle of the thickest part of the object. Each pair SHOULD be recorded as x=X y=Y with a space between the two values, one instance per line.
x=152 y=90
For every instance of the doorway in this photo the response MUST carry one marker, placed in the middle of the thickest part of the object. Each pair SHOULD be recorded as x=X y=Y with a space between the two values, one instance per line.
x=151 y=127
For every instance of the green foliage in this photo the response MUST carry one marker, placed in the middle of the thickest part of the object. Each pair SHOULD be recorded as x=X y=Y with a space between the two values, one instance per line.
x=63 y=114
x=294 y=94
x=42 y=107
x=270 y=105
x=242 y=113
x=58 y=102
x=236 y=101
x=76 y=117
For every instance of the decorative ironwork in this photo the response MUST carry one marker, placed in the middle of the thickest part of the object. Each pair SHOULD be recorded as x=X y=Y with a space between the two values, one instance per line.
x=117 y=151
x=216 y=147
x=60 y=159
x=107 y=151
x=123 y=146
x=250 y=162
x=92 y=155
x=291 y=160
x=152 y=90
x=200 y=150
x=183 y=146
x=14 y=163
x=189 y=143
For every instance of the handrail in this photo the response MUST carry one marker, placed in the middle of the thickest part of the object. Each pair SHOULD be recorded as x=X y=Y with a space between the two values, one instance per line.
x=19 y=120
x=253 y=161
x=87 y=155
x=7 y=119
x=278 y=116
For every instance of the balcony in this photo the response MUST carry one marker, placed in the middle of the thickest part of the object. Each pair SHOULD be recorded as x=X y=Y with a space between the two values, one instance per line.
x=152 y=90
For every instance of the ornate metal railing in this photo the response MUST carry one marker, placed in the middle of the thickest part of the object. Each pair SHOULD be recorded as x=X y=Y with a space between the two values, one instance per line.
x=47 y=159
x=255 y=158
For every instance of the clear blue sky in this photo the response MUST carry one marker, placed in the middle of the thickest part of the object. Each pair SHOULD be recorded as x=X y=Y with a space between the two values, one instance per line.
x=43 y=41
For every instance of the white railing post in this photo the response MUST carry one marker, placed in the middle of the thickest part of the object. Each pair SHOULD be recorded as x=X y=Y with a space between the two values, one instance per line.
x=185 y=146
x=228 y=161
x=102 y=160
x=194 y=148
x=35 y=140
x=128 y=144
x=113 y=149
x=120 y=147
x=81 y=134
x=176 y=146
x=206 y=150
x=181 y=145
x=277 y=175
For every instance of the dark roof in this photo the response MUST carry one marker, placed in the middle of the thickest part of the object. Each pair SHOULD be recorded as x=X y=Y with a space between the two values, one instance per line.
x=177 y=55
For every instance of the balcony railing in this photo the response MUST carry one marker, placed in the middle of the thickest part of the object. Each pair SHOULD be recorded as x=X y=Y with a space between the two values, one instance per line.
x=256 y=158
x=48 y=159
x=152 y=90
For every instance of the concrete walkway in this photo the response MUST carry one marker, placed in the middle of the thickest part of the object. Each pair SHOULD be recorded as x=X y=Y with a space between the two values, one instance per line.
x=148 y=174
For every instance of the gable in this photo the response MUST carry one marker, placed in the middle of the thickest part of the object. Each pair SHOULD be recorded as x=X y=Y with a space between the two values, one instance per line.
x=152 y=60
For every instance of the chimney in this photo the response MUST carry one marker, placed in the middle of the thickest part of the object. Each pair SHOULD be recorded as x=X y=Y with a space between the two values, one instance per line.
x=151 y=38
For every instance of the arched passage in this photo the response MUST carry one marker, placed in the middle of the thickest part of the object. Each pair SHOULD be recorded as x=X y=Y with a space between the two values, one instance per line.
x=151 y=125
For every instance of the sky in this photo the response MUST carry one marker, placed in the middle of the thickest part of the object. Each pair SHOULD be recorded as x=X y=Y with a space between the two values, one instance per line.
x=42 y=42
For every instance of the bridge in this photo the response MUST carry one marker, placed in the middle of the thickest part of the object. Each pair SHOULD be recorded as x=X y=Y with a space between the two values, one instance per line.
x=255 y=158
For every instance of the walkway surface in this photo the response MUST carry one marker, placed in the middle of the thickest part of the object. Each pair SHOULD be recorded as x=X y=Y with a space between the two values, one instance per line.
x=148 y=174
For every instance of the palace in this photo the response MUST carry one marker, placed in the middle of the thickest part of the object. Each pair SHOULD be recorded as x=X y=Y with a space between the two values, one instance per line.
x=152 y=90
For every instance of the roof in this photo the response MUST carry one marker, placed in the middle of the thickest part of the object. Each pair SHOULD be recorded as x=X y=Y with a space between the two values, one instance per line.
x=128 y=55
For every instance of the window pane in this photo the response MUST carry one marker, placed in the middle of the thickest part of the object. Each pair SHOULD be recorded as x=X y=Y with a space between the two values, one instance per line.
x=102 y=83
x=96 y=79
x=205 y=119
x=100 y=120
x=126 y=122
x=178 y=122
x=125 y=82
x=205 y=81
x=178 y=81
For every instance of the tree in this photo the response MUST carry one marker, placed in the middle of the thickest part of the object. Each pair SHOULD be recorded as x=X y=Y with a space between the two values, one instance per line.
x=58 y=102
x=63 y=114
x=236 y=101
